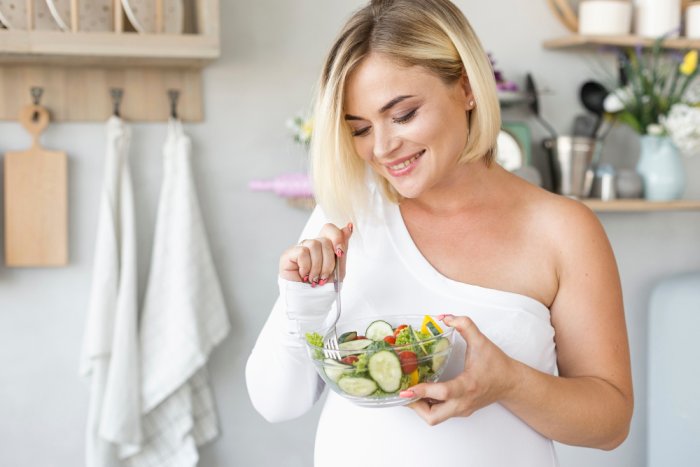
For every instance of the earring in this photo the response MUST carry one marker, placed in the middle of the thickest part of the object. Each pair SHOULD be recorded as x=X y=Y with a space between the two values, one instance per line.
x=471 y=103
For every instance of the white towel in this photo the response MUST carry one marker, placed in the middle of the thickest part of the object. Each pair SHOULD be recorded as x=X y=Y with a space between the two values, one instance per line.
x=110 y=346
x=183 y=318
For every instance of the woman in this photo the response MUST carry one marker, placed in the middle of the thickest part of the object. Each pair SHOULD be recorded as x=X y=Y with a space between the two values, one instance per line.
x=406 y=122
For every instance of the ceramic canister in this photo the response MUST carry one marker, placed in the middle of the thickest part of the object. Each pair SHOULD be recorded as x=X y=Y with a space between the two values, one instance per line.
x=656 y=18
x=605 y=17
x=692 y=20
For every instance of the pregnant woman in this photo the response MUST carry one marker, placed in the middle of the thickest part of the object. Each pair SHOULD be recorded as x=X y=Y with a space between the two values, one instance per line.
x=422 y=219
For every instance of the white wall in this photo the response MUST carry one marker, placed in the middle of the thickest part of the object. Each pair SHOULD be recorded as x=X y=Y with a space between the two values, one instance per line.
x=272 y=51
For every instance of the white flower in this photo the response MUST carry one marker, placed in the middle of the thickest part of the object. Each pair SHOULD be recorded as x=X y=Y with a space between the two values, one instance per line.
x=615 y=101
x=683 y=124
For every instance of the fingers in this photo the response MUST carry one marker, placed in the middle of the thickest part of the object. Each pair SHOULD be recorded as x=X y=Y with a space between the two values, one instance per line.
x=436 y=403
x=464 y=325
x=313 y=260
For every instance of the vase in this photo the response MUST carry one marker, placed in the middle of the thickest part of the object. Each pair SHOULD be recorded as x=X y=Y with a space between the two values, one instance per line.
x=661 y=168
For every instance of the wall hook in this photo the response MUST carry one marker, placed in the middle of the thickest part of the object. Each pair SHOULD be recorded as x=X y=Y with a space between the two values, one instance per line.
x=36 y=93
x=174 y=95
x=117 y=95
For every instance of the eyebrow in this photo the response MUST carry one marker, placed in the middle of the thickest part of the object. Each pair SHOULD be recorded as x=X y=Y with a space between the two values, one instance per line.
x=384 y=108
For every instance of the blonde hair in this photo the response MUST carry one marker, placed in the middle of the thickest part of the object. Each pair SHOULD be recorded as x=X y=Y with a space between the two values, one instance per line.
x=433 y=34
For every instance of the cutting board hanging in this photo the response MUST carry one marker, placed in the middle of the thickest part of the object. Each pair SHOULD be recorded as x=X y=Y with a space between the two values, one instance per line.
x=36 y=211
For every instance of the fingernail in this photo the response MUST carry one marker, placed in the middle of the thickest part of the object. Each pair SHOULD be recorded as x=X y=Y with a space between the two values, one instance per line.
x=442 y=317
x=339 y=252
x=314 y=282
x=350 y=227
x=407 y=394
x=322 y=282
x=306 y=278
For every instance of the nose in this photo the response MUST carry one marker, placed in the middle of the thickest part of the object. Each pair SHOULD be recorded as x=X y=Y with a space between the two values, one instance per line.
x=385 y=142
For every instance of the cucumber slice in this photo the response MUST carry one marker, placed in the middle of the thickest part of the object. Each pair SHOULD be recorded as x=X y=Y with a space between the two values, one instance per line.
x=440 y=353
x=357 y=344
x=378 y=330
x=385 y=368
x=347 y=336
x=357 y=386
x=334 y=369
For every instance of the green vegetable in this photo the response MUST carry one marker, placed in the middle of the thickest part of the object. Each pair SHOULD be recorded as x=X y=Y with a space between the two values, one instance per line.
x=316 y=340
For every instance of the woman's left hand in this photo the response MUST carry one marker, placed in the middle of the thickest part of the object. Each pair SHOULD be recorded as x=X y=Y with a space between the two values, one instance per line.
x=487 y=378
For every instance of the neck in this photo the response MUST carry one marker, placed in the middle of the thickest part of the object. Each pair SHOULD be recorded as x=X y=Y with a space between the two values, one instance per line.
x=470 y=186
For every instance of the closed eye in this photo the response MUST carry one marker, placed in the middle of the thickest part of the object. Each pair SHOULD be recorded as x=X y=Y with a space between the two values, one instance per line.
x=361 y=131
x=406 y=117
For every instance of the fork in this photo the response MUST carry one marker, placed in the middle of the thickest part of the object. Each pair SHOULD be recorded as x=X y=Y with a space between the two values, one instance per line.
x=331 y=347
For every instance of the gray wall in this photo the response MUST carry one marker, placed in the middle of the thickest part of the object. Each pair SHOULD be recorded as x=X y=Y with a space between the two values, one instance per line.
x=271 y=53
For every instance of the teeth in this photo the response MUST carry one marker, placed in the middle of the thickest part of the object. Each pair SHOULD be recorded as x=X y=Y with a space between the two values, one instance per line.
x=404 y=164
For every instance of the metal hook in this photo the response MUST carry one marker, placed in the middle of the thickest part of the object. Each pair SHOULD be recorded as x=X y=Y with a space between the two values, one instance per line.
x=117 y=95
x=36 y=92
x=174 y=95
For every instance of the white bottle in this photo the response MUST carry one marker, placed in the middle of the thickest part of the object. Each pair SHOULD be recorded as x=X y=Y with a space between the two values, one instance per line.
x=656 y=18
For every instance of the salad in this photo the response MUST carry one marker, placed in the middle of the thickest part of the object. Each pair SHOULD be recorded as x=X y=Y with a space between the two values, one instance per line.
x=385 y=359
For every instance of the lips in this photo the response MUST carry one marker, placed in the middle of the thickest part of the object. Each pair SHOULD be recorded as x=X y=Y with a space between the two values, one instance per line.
x=405 y=165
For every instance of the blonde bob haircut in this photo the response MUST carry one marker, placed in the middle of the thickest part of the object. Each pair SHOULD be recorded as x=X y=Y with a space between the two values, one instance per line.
x=433 y=34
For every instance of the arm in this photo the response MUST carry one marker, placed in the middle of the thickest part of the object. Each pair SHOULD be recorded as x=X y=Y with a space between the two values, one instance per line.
x=590 y=403
x=282 y=382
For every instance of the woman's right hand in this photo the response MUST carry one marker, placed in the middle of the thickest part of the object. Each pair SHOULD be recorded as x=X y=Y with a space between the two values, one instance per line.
x=313 y=260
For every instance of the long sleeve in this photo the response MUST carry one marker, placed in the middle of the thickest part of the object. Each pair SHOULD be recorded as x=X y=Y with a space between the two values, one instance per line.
x=282 y=382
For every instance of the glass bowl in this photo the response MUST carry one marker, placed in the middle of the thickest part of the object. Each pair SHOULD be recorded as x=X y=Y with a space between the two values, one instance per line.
x=380 y=357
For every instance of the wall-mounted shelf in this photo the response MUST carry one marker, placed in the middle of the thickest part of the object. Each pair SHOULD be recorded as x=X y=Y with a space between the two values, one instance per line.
x=77 y=69
x=577 y=40
x=640 y=205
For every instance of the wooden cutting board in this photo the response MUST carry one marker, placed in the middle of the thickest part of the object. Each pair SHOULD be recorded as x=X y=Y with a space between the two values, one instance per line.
x=36 y=211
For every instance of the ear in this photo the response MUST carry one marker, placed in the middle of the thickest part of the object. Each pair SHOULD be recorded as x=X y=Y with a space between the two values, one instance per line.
x=469 y=101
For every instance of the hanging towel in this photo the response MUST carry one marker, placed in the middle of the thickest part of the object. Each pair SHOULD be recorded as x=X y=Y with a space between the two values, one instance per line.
x=183 y=318
x=110 y=347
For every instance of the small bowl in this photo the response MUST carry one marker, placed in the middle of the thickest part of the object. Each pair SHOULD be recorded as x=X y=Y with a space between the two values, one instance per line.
x=370 y=370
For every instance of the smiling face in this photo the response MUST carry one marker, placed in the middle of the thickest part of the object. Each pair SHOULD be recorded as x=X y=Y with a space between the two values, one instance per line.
x=407 y=123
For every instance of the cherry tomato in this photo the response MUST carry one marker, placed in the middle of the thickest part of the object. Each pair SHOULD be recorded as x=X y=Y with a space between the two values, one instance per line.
x=349 y=360
x=399 y=328
x=391 y=340
x=409 y=361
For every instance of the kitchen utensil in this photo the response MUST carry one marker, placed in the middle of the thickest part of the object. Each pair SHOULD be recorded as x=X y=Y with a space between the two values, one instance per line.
x=534 y=106
x=572 y=158
x=592 y=95
x=94 y=15
x=331 y=345
x=584 y=125
x=144 y=17
x=36 y=213
x=13 y=14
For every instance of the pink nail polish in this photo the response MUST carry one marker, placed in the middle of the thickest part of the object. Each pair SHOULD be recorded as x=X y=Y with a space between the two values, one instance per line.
x=306 y=278
x=440 y=317
x=339 y=252
x=407 y=394
x=350 y=227
x=322 y=282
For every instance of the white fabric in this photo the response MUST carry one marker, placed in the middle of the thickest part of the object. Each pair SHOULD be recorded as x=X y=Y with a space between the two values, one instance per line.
x=387 y=275
x=183 y=318
x=110 y=347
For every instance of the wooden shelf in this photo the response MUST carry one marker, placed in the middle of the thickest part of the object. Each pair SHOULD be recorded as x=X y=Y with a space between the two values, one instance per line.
x=577 y=40
x=77 y=69
x=107 y=48
x=640 y=205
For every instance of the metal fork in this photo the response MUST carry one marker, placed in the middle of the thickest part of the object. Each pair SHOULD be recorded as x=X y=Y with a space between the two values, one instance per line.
x=331 y=346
